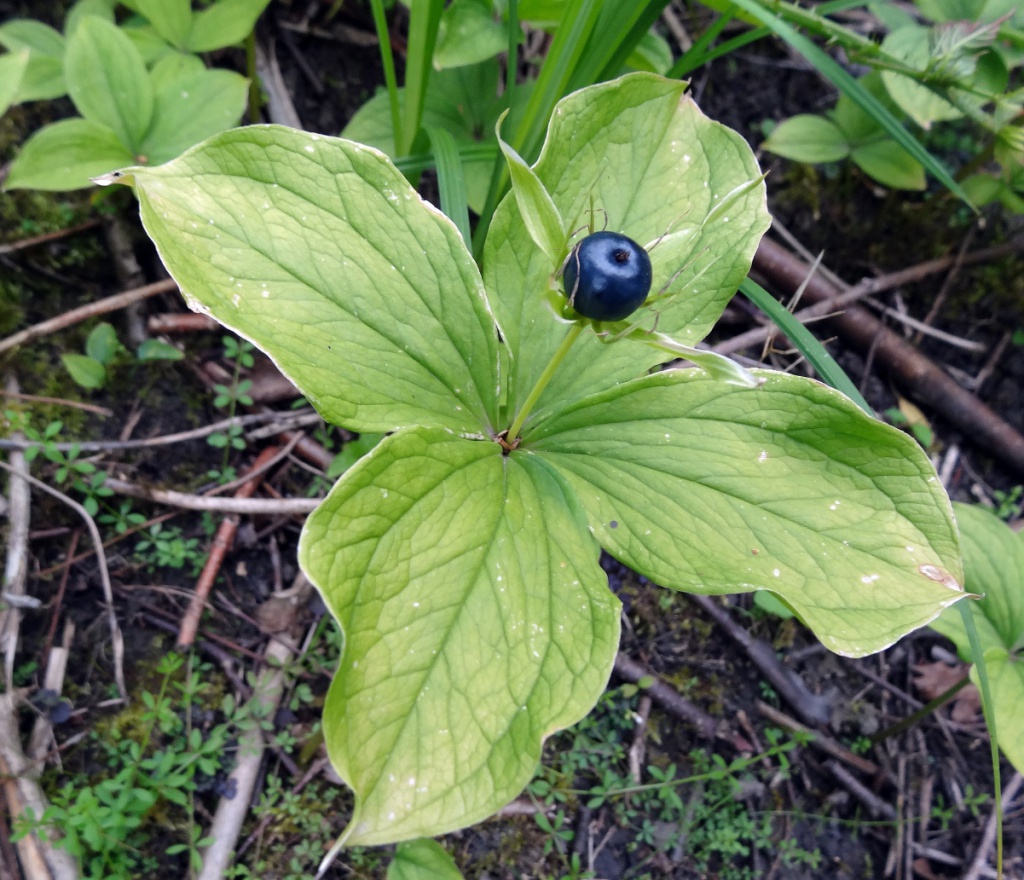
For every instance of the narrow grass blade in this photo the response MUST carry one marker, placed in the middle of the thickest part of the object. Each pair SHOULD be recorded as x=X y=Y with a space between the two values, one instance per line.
x=831 y=373
x=834 y=73
x=424 y=20
x=417 y=163
x=451 y=181
x=388 y=60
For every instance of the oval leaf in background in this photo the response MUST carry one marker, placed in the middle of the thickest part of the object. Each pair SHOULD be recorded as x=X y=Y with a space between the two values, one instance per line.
x=994 y=569
x=477 y=622
x=319 y=251
x=108 y=81
x=788 y=487
x=66 y=155
x=654 y=167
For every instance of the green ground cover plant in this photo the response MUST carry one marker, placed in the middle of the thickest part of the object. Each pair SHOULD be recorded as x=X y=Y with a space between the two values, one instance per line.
x=460 y=556
x=142 y=92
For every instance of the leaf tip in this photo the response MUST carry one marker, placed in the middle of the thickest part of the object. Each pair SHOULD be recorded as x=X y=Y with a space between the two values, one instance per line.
x=940 y=576
x=112 y=177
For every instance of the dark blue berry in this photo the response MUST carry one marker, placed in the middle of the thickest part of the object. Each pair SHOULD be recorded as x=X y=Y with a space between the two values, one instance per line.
x=607 y=277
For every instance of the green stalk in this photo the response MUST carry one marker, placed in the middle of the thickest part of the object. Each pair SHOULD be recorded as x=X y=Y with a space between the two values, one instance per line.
x=254 y=80
x=542 y=382
x=380 y=22
x=978 y=658
x=512 y=63
x=424 y=20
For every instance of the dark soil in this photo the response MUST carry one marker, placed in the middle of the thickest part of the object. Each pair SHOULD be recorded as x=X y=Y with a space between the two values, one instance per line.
x=783 y=817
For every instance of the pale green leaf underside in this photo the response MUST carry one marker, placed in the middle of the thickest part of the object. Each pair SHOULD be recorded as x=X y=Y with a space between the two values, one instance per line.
x=788 y=487
x=318 y=250
x=993 y=569
x=652 y=164
x=477 y=621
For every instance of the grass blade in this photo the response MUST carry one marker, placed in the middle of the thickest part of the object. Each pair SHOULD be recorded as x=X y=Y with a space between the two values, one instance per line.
x=837 y=75
x=388 y=60
x=831 y=373
x=424 y=20
x=451 y=181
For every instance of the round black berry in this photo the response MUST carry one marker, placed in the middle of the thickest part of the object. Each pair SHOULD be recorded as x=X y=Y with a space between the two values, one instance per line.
x=607 y=277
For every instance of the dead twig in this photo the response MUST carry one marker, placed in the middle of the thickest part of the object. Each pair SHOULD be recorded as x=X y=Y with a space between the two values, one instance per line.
x=874 y=804
x=182 y=322
x=988 y=839
x=60 y=401
x=14 y=246
x=91 y=310
x=243 y=506
x=56 y=665
x=101 y=557
x=670 y=699
x=16 y=566
x=812 y=708
x=231 y=812
x=40 y=859
x=819 y=740
x=222 y=542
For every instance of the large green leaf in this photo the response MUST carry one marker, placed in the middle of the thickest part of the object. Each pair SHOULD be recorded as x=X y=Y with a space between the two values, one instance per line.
x=107 y=80
x=477 y=622
x=469 y=34
x=652 y=165
x=788 y=487
x=66 y=155
x=319 y=250
x=994 y=569
x=422 y=859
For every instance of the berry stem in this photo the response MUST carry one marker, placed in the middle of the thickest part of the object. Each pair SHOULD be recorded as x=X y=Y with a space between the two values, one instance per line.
x=542 y=382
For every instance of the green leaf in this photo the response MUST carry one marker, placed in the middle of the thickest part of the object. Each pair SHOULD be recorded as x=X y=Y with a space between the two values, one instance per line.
x=422 y=859
x=789 y=487
x=171 y=19
x=364 y=294
x=451 y=181
x=468 y=34
x=225 y=23
x=477 y=622
x=652 y=54
x=538 y=211
x=43 y=79
x=854 y=121
x=102 y=343
x=657 y=170
x=86 y=371
x=66 y=155
x=191 y=108
x=808 y=138
x=351 y=452
x=12 y=70
x=76 y=14
x=108 y=82
x=148 y=43
x=889 y=164
x=913 y=45
x=993 y=562
x=158 y=350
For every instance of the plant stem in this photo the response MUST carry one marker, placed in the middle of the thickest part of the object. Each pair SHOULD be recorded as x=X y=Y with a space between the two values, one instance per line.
x=542 y=382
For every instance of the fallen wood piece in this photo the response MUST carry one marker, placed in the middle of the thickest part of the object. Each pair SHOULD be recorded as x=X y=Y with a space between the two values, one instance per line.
x=670 y=699
x=243 y=506
x=980 y=864
x=231 y=812
x=919 y=376
x=819 y=740
x=222 y=542
x=90 y=310
x=56 y=665
x=812 y=708
x=877 y=807
x=19 y=511
x=12 y=247
x=182 y=322
x=40 y=859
